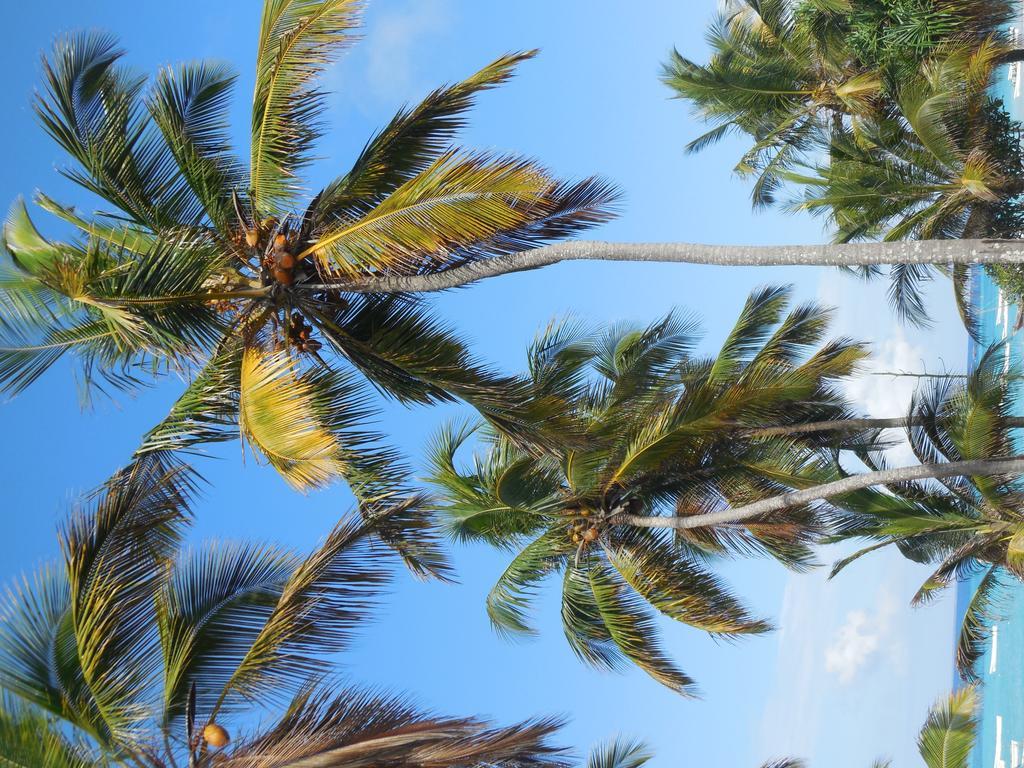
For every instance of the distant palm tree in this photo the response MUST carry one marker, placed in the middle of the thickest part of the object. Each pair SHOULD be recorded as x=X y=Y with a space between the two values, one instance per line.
x=886 y=102
x=666 y=434
x=945 y=167
x=135 y=651
x=676 y=459
x=964 y=525
x=208 y=259
x=785 y=72
x=777 y=78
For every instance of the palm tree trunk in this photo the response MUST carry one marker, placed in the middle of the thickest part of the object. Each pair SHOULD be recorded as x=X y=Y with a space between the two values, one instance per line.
x=750 y=512
x=830 y=255
x=854 y=425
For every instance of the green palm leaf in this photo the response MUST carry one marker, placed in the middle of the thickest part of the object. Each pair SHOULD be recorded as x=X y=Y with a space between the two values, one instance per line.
x=948 y=736
x=190 y=105
x=411 y=142
x=29 y=739
x=298 y=40
x=321 y=604
x=509 y=600
x=91 y=108
x=458 y=201
x=112 y=558
x=974 y=627
x=678 y=588
x=632 y=629
x=619 y=753
x=215 y=603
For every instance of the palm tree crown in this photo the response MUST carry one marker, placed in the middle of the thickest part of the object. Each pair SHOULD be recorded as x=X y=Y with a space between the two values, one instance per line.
x=207 y=258
x=886 y=103
x=962 y=525
x=137 y=651
x=661 y=431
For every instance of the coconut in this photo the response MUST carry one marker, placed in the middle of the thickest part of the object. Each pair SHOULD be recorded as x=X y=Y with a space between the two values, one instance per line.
x=283 y=276
x=285 y=260
x=252 y=237
x=215 y=736
x=590 y=534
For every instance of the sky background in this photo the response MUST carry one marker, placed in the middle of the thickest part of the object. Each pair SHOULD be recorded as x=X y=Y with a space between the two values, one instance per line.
x=851 y=672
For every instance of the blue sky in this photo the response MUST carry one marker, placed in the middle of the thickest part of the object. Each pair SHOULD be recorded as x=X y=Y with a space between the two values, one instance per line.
x=852 y=671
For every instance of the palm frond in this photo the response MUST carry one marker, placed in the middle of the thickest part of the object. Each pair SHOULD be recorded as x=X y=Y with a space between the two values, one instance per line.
x=34 y=617
x=207 y=411
x=948 y=735
x=619 y=753
x=113 y=555
x=632 y=629
x=276 y=416
x=972 y=639
x=26 y=244
x=678 y=588
x=214 y=604
x=298 y=39
x=509 y=600
x=27 y=738
x=413 y=140
x=92 y=108
x=189 y=104
x=361 y=729
x=325 y=599
x=458 y=201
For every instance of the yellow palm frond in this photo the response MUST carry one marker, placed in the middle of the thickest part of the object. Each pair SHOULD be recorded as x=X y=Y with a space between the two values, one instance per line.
x=858 y=93
x=457 y=202
x=276 y=417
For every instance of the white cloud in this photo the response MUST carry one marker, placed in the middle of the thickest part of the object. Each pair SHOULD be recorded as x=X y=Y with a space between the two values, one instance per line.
x=883 y=396
x=859 y=639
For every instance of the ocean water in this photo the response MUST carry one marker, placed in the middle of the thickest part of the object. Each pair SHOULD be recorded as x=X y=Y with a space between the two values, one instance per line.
x=1001 y=736
x=1001 y=719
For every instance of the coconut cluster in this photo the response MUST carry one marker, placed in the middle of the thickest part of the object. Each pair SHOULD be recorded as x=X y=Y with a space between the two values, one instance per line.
x=300 y=333
x=583 y=529
x=275 y=249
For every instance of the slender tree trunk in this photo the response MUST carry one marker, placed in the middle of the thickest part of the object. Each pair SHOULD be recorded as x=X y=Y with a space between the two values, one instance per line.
x=750 y=512
x=853 y=425
x=829 y=255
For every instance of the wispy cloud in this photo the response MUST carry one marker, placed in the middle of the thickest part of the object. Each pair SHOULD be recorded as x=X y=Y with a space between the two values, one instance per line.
x=395 y=42
x=858 y=640
x=884 y=396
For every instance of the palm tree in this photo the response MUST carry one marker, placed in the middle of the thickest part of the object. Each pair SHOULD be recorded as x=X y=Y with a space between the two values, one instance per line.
x=785 y=72
x=912 y=148
x=136 y=651
x=964 y=525
x=677 y=459
x=667 y=434
x=776 y=77
x=205 y=259
x=945 y=167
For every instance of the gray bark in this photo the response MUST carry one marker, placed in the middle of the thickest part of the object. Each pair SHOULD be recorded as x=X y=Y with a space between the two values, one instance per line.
x=851 y=425
x=750 y=512
x=829 y=255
